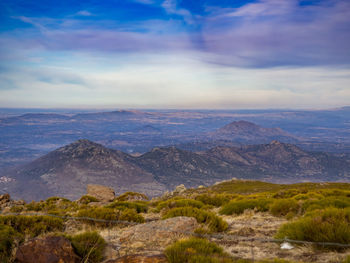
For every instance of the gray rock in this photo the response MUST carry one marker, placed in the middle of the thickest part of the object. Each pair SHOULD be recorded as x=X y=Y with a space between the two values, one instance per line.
x=157 y=234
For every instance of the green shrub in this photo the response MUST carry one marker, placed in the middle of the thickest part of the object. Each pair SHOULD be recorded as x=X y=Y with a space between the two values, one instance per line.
x=238 y=207
x=214 y=200
x=55 y=199
x=172 y=203
x=131 y=215
x=16 y=209
x=346 y=260
x=282 y=207
x=6 y=243
x=289 y=193
x=132 y=196
x=140 y=207
x=308 y=196
x=336 y=202
x=35 y=206
x=330 y=225
x=109 y=214
x=196 y=250
x=32 y=225
x=89 y=246
x=212 y=221
x=98 y=213
x=86 y=199
x=53 y=205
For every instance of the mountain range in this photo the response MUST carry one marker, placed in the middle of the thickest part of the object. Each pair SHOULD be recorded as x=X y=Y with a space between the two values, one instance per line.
x=67 y=170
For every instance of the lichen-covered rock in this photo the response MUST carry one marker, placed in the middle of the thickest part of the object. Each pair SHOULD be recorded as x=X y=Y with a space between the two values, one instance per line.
x=132 y=196
x=51 y=249
x=157 y=234
x=4 y=200
x=140 y=259
x=179 y=189
x=100 y=192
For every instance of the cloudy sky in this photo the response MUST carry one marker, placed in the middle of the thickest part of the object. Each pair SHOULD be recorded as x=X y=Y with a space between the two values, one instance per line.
x=223 y=54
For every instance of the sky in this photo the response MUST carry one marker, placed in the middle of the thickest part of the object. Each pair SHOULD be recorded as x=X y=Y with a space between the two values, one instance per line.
x=186 y=54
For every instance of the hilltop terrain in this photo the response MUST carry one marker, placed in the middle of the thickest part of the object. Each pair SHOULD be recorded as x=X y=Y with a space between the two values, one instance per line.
x=237 y=221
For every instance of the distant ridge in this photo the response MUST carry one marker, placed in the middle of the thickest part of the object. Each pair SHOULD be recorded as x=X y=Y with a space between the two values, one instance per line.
x=248 y=132
x=67 y=170
x=110 y=114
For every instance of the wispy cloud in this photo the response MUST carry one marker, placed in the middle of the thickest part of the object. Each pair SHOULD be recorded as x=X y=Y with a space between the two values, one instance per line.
x=84 y=13
x=263 y=52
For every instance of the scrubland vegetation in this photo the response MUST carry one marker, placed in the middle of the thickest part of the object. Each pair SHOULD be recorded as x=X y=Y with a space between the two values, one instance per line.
x=314 y=212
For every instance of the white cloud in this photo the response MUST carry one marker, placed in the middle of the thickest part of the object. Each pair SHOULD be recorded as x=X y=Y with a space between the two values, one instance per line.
x=177 y=80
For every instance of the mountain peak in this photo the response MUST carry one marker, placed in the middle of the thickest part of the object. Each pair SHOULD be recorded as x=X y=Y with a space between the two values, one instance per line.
x=83 y=148
x=275 y=142
x=251 y=133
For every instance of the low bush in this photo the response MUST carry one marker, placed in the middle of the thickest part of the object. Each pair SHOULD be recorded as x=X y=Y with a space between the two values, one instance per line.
x=16 y=209
x=98 y=213
x=89 y=246
x=140 y=207
x=132 y=196
x=346 y=260
x=282 y=207
x=330 y=225
x=214 y=200
x=53 y=205
x=109 y=214
x=86 y=199
x=239 y=206
x=7 y=234
x=32 y=225
x=212 y=221
x=55 y=199
x=131 y=215
x=308 y=196
x=172 y=203
x=35 y=206
x=196 y=250
x=288 y=193
x=336 y=202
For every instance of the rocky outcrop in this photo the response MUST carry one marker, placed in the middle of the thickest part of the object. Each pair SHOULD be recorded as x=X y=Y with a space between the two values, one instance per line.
x=100 y=192
x=51 y=249
x=179 y=189
x=4 y=200
x=132 y=196
x=140 y=259
x=157 y=234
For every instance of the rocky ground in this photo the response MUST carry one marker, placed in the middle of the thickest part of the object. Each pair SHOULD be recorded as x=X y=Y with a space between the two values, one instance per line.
x=247 y=237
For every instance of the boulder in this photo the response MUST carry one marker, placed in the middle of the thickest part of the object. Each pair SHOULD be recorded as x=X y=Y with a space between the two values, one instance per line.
x=4 y=200
x=100 y=192
x=179 y=189
x=157 y=234
x=51 y=249
x=140 y=259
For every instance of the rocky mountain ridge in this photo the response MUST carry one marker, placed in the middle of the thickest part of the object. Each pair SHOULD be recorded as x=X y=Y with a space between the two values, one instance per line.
x=67 y=170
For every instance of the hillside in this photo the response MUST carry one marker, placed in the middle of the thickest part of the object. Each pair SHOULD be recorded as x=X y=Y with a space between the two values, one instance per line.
x=287 y=161
x=248 y=132
x=67 y=170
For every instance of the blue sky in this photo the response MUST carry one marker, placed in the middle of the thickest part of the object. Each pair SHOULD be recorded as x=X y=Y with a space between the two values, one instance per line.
x=175 y=54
